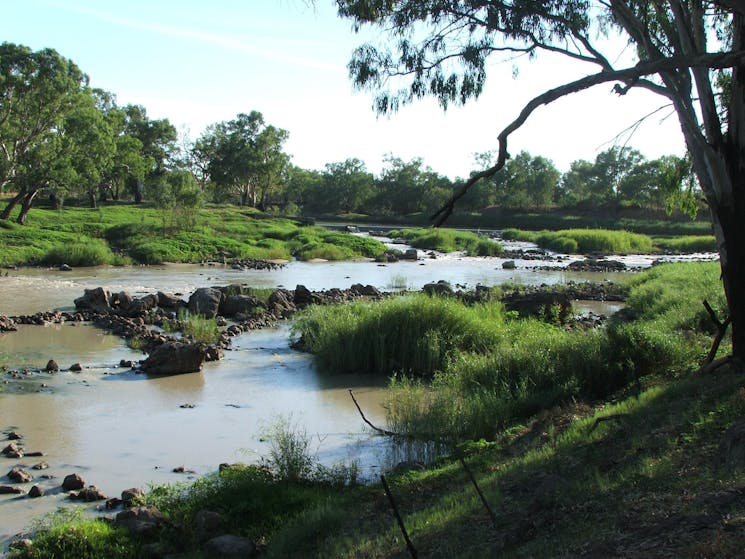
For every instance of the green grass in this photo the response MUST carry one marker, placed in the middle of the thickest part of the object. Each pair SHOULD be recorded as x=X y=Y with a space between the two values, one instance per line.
x=448 y=240
x=68 y=534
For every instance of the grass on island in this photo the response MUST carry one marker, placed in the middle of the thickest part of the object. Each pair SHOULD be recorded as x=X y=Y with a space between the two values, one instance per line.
x=449 y=240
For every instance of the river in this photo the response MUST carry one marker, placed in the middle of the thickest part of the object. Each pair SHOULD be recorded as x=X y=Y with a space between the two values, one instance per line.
x=120 y=429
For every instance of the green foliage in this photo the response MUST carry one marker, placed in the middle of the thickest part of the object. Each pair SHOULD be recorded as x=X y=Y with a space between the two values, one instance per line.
x=289 y=451
x=137 y=232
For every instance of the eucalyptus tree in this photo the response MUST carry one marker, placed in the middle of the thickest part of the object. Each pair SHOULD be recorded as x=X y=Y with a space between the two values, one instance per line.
x=38 y=90
x=129 y=161
x=158 y=138
x=689 y=52
x=243 y=156
x=347 y=187
x=408 y=187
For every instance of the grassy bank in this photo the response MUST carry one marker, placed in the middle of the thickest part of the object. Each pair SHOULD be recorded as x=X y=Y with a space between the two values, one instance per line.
x=134 y=234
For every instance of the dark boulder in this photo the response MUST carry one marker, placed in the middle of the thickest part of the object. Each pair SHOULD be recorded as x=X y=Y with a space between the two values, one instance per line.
x=441 y=288
x=141 y=521
x=7 y=324
x=142 y=305
x=304 y=297
x=172 y=358
x=365 y=291
x=36 y=491
x=170 y=302
x=129 y=496
x=88 y=494
x=52 y=366
x=18 y=475
x=281 y=302
x=97 y=299
x=73 y=482
x=551 y=306
x=234 y=305
x=205 y=301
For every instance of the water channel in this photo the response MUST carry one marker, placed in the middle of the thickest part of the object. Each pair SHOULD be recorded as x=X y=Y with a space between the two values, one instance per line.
x=120 y=429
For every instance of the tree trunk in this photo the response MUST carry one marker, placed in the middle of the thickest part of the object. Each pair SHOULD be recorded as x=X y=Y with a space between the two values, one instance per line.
x=28 y=200
x=11 y=205
x=92 y=199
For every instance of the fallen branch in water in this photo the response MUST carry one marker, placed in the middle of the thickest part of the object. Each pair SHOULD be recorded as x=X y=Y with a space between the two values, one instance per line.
x=378 y=429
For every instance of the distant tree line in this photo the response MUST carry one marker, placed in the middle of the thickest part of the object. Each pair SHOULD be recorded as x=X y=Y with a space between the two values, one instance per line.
x=62 y=139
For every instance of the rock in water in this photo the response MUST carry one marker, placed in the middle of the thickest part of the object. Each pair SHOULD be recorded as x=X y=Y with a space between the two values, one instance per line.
x=174 y=358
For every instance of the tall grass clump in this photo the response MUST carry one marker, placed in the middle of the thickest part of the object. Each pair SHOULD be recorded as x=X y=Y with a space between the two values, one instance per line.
x=89 y=252
x=198 y=327
x=415 y=334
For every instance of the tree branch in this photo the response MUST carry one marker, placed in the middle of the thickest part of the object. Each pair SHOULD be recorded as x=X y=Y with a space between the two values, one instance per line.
x=719 y=60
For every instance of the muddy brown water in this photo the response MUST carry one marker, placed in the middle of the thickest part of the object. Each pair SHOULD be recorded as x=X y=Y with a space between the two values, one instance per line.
x=120 y=429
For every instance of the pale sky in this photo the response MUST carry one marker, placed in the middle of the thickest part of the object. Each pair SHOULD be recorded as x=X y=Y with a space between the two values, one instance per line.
x=197 y=63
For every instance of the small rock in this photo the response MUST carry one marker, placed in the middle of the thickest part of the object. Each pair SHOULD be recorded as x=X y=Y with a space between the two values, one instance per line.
x=113 y=503
x=125 y=363
x=9 y=489
x=88 y=494
x=13 y=436
x=65 y=268
x=141 y=521
x=130 y=495
x=508 y=265
x=52 y=366
x=73 y=482
x=40 y=466
x=76 y=367
x=17 y=475
x=12 y=447
x=35 y=492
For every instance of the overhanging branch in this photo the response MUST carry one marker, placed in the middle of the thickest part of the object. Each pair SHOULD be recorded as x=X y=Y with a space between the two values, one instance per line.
x=626 y=75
